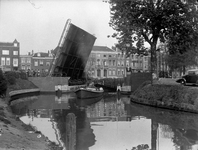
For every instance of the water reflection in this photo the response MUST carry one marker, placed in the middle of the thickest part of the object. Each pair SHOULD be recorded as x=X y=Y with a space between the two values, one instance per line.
x=107 y=123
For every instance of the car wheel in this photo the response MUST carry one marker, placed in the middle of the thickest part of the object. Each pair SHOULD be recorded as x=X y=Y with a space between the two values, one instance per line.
x=183 y=82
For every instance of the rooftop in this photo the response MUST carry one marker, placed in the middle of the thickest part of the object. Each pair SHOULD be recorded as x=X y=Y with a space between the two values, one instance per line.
x=102 y=49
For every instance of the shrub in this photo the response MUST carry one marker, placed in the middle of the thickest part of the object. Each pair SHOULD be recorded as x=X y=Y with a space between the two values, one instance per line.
x=11 y=77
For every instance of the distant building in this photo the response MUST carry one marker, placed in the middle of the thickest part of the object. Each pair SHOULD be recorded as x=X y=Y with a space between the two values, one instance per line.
x=41 y=63
x=102 y=62
x=108 y=63
x=9 y=55
x=25 y=62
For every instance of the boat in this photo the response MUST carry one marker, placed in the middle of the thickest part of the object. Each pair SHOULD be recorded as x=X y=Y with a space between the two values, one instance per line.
x=83 y=93
x=106 y=88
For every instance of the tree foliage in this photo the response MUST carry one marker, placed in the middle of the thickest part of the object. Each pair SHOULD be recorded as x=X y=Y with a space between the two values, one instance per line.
x=152 y=21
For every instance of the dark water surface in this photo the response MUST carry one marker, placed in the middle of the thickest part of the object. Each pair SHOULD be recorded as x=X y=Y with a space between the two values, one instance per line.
x=108 y=123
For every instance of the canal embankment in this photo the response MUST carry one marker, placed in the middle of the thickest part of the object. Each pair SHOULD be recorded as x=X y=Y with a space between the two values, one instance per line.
x=168 y=95
x=14 y=134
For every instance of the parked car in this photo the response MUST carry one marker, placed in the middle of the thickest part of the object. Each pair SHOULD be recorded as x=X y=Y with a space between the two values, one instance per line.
x=191 y=78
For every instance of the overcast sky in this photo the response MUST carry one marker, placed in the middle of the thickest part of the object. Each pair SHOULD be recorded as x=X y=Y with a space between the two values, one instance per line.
x=38 y=24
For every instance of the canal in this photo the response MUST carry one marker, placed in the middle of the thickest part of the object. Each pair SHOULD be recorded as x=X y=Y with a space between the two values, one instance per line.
x=108 y=123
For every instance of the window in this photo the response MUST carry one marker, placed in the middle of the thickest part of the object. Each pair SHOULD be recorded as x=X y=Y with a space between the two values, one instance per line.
x=118 y=63
x=41 y=62
x=114 y=63
x=104 y=56
x=28 y=60
x=113 y=72
x=118 y=71
x=122 y=63
x=5 y=52
x=109 y=72
x=127 y=63
x=105 y=63
x=15 y=44
x=8 y=61
x=15 y=53
x=35 y=63
x=15 y=62
x=98 y=62
x=47 y=63
x=2 y=61
x=23 y=67
x=28 y=67
x=39 y=55
x=109 y=62
x=22 y=60
x=122 y=72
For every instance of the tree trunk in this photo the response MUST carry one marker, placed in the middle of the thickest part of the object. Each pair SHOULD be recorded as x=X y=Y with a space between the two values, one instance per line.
x=154 y=59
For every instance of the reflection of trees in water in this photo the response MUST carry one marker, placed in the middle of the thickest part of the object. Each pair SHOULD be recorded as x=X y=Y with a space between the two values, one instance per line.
x=141 y=147
x=167 y=131
x=173 y=124
x=72 y=124
x=20 y=106
x=185 y=138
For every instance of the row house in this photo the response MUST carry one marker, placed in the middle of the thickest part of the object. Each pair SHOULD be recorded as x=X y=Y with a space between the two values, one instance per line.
x=108 y=63
x=102 y=62
x=25 y=62
x=9 y=55
x=36 y=64
x=41 y=63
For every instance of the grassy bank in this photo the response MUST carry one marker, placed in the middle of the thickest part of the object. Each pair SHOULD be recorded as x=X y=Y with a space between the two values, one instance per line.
x=175 y=97
x=14 y=133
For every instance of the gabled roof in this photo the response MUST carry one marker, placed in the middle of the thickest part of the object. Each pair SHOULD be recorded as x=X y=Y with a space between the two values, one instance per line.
x=8 y=43
x=102 y=49
x=15 y=41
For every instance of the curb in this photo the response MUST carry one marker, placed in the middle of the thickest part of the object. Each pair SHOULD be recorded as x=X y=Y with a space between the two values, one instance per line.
x=24 y=91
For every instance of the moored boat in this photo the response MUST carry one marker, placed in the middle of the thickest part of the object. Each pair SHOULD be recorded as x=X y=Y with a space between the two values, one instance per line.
x=89 y=93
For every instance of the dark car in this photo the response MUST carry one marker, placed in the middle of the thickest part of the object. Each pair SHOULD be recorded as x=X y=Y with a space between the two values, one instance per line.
x=191 y=78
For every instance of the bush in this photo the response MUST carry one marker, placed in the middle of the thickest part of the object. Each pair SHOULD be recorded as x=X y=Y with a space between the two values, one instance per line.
x=11 y=77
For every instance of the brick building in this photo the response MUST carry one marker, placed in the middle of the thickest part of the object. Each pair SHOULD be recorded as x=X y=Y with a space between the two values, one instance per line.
x=9 y=55
x=108 y=63
x=41 y=63
x=25 y=62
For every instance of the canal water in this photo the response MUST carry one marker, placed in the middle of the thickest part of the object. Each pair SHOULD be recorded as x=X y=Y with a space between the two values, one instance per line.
x=108 y=123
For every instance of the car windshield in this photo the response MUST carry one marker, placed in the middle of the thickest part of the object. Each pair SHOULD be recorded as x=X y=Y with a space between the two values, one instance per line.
x=193 y=72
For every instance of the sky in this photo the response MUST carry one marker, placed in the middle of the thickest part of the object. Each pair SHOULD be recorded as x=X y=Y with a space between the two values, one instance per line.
x=38 y=24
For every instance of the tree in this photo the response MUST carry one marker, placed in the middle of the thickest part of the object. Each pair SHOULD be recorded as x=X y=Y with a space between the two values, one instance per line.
x=152 y=21
x=3 y=84
x=183 y=47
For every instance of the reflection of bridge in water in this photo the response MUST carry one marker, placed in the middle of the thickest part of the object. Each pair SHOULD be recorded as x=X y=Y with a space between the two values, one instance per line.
x=72 y=52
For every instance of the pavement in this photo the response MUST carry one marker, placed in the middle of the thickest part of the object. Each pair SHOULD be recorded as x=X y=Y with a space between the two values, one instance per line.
x=168 y=81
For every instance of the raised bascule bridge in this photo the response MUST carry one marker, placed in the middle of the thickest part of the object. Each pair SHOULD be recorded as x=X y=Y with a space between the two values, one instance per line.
x=72 y=53
x=69 y=62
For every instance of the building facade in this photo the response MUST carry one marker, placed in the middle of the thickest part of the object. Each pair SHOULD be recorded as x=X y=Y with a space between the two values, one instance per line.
x=102 y=62
x=9 y=55
x=25 y=62
x=41 y=63
x=108 y=63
